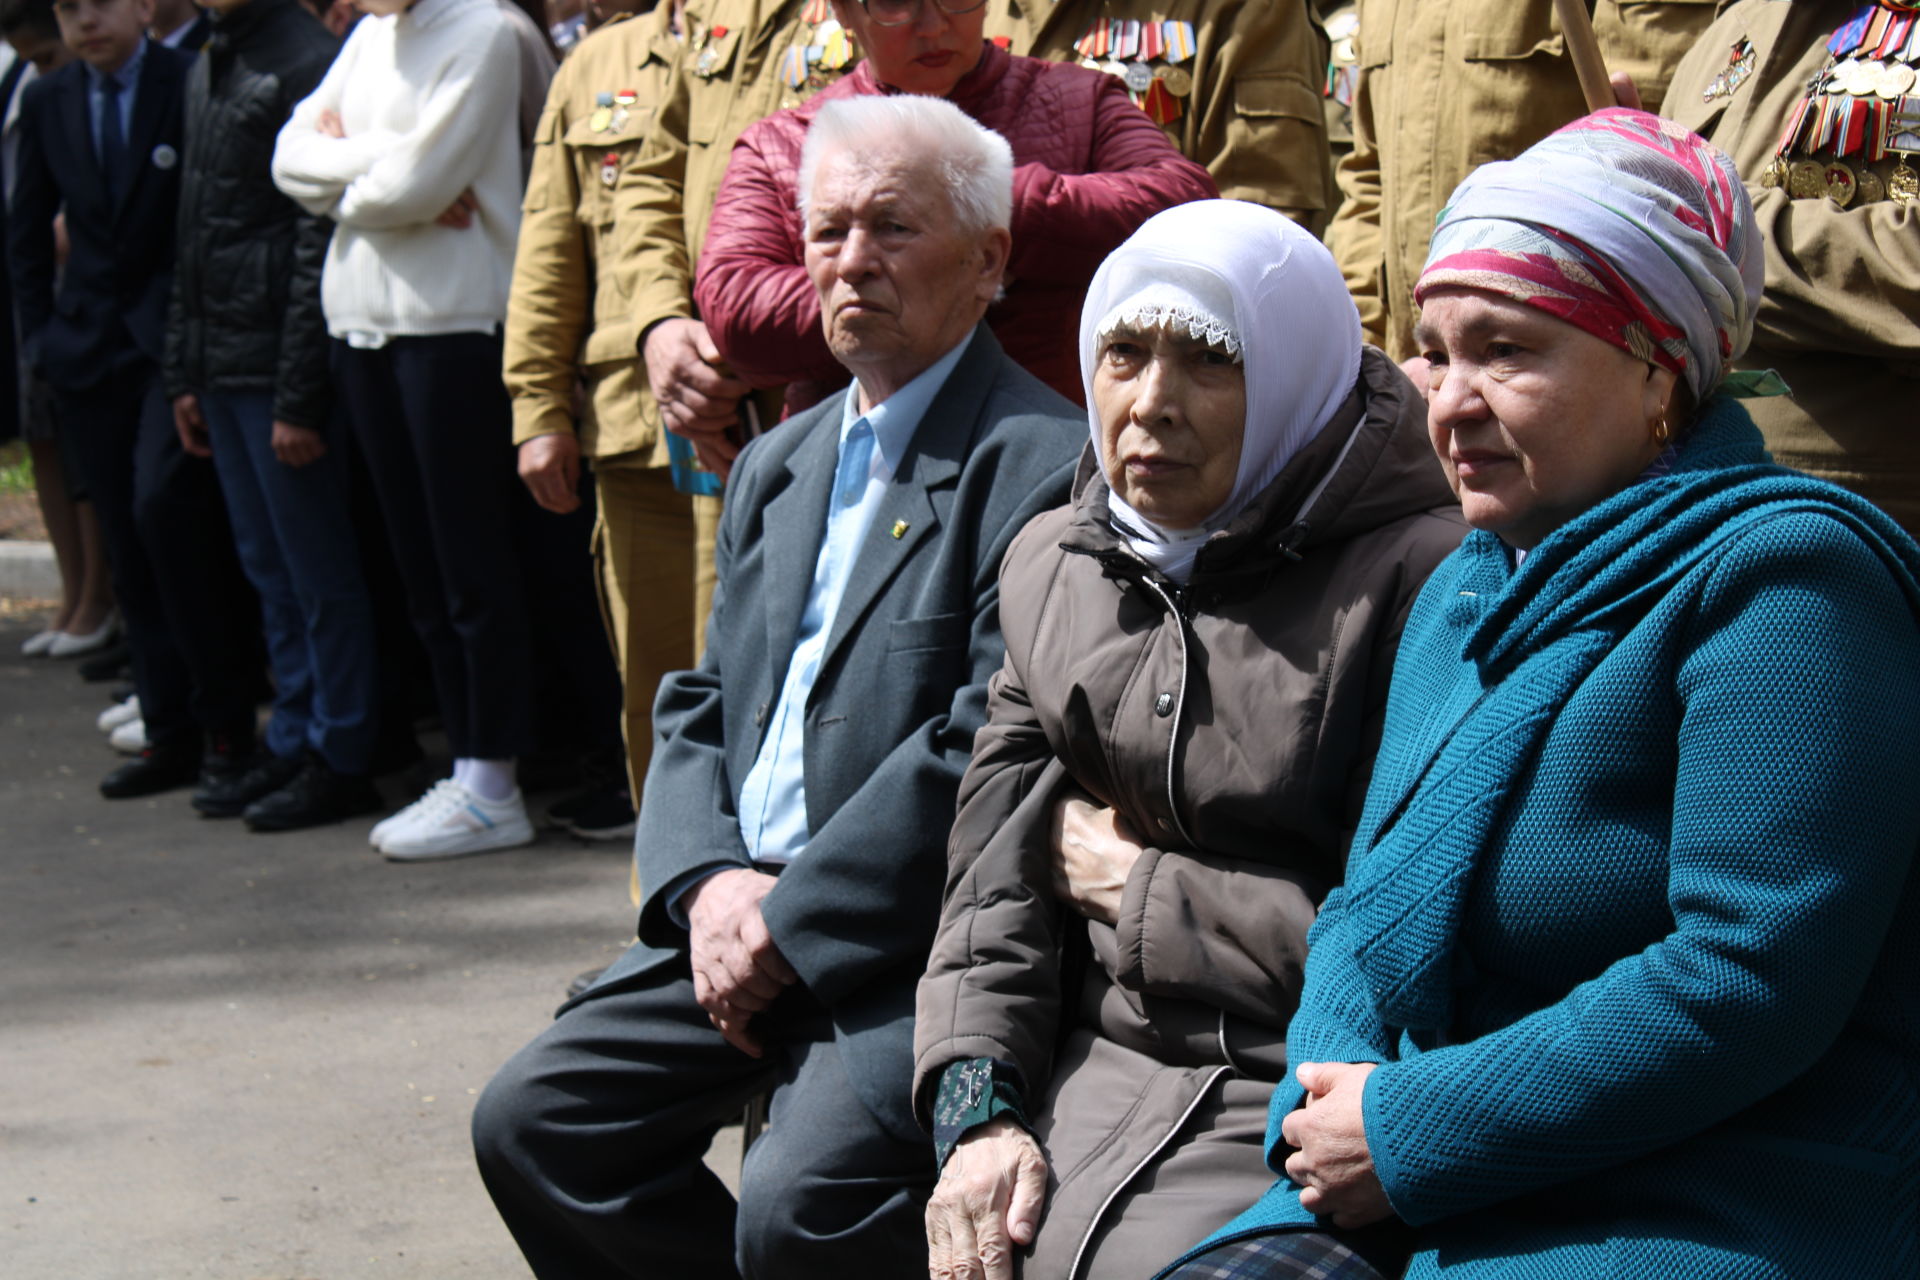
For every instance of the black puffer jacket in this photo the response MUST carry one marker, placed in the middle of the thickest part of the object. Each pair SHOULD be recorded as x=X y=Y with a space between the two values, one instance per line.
x=246 y=287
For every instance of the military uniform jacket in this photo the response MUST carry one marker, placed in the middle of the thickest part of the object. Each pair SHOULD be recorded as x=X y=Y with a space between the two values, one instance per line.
x=1447 y=85
x=568 y=317
x=1840 y=318
x=1253 y=115
x=730 y=76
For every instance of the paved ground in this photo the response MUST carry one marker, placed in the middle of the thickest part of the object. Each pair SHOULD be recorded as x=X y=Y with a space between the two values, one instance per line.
x=251 y=1057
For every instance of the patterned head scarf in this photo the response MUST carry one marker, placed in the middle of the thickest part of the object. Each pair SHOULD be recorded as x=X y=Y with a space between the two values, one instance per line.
x=1245 y=279
x=1622 y=224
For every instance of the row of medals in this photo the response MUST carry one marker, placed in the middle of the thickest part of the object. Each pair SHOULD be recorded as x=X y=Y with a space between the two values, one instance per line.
x=823 y=48
x=1851 y=94
x=1146 y=56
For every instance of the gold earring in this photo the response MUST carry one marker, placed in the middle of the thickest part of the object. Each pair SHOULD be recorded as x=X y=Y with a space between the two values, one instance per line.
x=1662 y=432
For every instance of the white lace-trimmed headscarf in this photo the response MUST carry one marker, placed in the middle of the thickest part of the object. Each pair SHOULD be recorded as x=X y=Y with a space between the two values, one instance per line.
x=1245 y=279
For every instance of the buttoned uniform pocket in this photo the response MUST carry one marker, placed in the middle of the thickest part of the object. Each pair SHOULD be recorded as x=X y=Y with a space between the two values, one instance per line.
x=1281 y=117
x=1517 y=83
x=598 y=156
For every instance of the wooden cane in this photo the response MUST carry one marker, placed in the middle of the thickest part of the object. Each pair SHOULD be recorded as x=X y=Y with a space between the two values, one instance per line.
x=1584 y=46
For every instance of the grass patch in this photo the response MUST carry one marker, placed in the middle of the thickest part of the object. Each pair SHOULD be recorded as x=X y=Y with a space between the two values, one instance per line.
x=16 y=468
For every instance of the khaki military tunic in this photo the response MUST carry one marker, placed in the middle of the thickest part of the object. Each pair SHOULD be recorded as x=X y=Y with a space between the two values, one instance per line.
x=730 y=77
x=1252 y=113
x=567 y=315
x=569 y=320
x=1447 y=85
x=1840 y=318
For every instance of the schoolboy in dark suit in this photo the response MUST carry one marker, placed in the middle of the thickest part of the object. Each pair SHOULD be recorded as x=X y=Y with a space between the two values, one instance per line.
x=102 y=137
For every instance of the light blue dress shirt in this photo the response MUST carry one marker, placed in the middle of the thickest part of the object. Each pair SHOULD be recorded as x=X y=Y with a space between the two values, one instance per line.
x=773 y=799
x=128 y=78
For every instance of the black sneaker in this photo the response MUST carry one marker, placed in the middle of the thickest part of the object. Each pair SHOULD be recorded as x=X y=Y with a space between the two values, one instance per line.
x=313 y=797
x=228 y=786
x=602 y=815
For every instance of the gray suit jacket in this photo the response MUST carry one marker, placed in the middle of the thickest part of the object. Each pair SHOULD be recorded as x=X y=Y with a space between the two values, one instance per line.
x=900 y=692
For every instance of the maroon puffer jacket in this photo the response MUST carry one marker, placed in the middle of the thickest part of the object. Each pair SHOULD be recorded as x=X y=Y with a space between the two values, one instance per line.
x=1090 y=167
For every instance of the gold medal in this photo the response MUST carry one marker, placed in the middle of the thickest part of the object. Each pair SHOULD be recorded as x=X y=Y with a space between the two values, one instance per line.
x=1775 y=174
x=1903 y=184
x=1179 y=83
x=1805 y=180
x=1870 y=187
x=601 y=120
x=1864 y=79
x=1841 y=185
x=1894 y=82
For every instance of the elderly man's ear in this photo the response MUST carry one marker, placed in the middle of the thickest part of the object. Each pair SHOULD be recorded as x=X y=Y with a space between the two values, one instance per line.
x=996 y=247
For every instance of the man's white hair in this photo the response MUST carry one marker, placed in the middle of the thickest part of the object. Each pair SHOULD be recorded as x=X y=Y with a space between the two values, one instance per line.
x=973 y=161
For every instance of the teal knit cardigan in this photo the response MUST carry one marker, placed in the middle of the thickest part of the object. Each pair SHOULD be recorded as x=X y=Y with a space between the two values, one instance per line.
x=1629 y=923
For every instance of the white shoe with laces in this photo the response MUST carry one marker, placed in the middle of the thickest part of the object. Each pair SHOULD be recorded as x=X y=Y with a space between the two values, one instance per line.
x=118 y=714
x=430 y=801
x=463 y=822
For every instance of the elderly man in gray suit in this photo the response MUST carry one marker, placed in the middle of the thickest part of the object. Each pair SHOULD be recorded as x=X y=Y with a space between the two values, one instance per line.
x=793 y=835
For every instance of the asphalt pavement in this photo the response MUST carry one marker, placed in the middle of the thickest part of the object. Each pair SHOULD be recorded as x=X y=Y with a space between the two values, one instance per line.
x=253 y=1057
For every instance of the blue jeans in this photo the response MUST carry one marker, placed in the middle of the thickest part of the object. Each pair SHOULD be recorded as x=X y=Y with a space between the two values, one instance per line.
x=295 y=535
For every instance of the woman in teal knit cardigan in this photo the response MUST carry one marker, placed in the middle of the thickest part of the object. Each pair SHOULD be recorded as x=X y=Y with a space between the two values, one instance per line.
x=1625 y=980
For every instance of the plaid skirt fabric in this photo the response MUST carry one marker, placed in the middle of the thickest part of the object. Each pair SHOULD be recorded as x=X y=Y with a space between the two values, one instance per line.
x=1278 y=1255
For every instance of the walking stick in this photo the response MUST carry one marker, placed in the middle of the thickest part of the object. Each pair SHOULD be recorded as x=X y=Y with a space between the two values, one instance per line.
x=1577 y=23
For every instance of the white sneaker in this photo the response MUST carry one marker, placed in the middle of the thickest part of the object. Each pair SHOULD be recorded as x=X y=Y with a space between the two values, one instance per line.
x=130 y=738
x=430 y=801
x=464 y=822
x=119 y=713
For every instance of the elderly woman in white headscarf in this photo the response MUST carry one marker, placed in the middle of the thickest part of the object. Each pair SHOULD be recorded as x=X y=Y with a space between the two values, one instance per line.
x=1198 y=652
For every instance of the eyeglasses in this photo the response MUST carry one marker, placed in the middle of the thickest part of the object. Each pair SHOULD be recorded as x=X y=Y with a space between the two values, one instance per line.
x=898 y=13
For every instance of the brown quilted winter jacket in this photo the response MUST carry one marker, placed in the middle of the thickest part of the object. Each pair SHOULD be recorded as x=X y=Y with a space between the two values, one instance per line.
x=1090 y=167
x=1233 y=723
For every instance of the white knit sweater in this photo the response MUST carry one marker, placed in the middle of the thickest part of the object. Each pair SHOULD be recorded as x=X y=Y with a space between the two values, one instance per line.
x=429 y=101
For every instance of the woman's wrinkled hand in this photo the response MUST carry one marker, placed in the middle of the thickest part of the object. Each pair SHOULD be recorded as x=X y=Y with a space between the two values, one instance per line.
x=986 y=1204
x=1093 y=852
x=1332 y=1161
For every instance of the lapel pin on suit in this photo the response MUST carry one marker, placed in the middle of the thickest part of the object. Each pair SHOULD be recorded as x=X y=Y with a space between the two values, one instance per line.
x=899 y=529
x=165 y=157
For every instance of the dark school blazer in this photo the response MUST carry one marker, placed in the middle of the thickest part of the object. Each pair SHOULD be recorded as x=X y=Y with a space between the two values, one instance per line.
x=111 y=307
